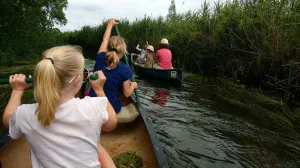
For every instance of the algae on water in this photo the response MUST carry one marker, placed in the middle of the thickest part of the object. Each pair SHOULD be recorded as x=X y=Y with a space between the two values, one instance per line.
x=128 y=160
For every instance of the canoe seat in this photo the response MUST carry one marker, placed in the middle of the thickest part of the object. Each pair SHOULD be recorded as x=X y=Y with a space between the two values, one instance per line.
x=128 y=113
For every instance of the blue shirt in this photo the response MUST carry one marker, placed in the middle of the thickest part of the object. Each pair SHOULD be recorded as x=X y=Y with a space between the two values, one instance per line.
x=142 y=54
x=114 y=80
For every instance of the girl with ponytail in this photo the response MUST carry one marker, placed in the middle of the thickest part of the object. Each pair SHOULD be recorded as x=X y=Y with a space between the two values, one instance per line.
x=117 y=73
x=63 y=131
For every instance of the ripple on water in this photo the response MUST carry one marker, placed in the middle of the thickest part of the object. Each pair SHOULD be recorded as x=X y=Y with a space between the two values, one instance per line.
x=197 y=131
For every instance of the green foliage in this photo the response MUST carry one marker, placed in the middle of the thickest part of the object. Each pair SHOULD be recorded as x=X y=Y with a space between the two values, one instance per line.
x=27 y=28
x=254 y=42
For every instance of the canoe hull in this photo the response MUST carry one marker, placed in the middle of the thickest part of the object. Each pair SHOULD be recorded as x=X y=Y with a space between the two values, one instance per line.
x=138 y=136
x=126 y=137
x=173 y=76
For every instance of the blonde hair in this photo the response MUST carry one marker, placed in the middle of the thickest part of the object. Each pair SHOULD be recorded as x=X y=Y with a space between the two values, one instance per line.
x=52 y=74
x=116 y=47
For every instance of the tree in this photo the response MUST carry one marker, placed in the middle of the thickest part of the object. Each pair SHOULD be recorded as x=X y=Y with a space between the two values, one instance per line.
x=172 y=11
x=26 y=26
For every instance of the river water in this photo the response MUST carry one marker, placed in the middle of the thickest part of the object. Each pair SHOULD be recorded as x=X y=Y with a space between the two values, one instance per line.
x=203 y=124
x=198 y=129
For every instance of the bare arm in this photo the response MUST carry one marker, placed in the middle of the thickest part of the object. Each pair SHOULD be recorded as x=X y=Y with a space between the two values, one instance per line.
x=18 y=85
x=128 y=87
x=13 y=103
x=111 y=123
x=97 y=85
x=106 y=36
x=138 y=47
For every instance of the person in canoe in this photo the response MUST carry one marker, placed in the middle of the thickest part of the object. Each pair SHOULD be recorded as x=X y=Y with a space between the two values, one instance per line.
x=141 y=60
x=62 y=131
x=163 y=56
x=117 y=73
x=149 y=56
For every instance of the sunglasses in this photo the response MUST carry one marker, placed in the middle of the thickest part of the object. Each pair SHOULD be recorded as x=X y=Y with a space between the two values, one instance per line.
x=86 y=75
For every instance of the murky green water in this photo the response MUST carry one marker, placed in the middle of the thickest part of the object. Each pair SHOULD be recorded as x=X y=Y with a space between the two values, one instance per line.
x=198 y=128
x=206 y=123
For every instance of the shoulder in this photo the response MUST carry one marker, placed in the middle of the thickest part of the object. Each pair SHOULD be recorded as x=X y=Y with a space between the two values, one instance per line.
x=158 y=52
x=101 y=55
x=26 y=110
x=124 y=71
x=123 y=66
x=22 y=120
x=97 y=105
x=92 y=99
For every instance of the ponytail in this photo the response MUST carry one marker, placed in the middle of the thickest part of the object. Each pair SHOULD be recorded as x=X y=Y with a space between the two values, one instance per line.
x=47 y=86
x=111 y=59
x=116 y=47
x=51 y=76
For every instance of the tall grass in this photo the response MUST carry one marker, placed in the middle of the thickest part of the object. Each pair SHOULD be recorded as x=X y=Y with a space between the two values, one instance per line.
x=252 y=41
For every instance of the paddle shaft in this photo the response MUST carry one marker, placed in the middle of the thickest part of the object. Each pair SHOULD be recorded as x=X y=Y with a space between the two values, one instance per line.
x=126 y=61
x=30 y=80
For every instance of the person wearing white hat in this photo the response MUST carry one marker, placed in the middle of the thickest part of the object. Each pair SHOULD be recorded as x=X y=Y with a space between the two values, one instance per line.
x=150 y=57
x=164 y=55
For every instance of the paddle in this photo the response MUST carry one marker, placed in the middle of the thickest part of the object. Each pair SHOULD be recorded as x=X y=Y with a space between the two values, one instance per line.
x=30 y=80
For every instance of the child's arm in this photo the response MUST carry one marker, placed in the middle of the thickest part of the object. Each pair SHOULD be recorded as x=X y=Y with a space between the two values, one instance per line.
x=128 y=87
x=142 y=58
x=18 y=85
x=111 y=123
x=138 y=48
x=103 y=47
x=97 y=85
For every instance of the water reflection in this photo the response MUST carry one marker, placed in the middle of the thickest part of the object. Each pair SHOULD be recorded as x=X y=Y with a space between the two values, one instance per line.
x=160 y=96
x=197 y=129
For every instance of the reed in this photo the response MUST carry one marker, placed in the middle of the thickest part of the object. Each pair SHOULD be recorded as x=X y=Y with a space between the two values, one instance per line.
x=253 y=42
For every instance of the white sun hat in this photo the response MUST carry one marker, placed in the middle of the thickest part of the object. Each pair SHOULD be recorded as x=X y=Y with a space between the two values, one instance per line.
x=164 y=41
x=150 y=47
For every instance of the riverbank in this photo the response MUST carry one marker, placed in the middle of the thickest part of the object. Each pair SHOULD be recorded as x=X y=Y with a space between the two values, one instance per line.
x=262 y=109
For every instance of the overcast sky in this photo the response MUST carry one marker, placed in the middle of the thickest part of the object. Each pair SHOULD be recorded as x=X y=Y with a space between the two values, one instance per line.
x=93 y=12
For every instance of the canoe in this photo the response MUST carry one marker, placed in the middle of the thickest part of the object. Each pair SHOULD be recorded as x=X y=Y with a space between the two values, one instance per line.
x=172 y=76
x=134 y=132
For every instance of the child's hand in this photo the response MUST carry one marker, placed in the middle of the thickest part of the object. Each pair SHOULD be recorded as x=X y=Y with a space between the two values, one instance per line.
x=112 y=22
x=138 y=46
x=17 y=82
x=134 y=84
x=98 y=84
x=147 y=43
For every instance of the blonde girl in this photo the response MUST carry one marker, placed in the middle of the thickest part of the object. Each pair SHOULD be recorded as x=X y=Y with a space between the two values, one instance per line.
x=117 y=73
x=63 y=131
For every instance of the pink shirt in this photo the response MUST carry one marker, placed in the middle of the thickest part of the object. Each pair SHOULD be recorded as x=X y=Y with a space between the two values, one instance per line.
x=164 y=58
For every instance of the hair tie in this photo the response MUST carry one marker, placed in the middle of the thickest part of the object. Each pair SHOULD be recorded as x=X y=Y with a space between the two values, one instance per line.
x=50 y=60
x=114 y=49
